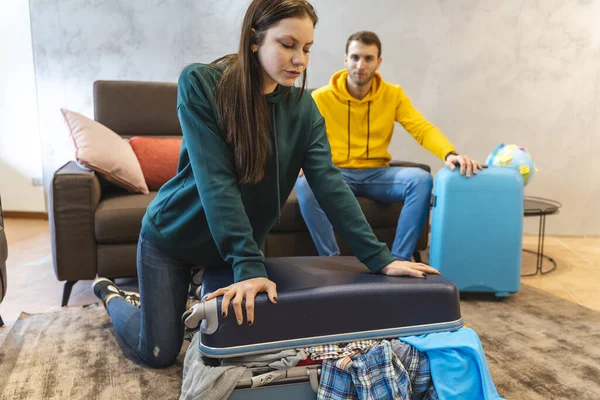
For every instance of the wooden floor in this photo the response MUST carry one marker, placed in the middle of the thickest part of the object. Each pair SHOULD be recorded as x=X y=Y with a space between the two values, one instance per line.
x=33 y=288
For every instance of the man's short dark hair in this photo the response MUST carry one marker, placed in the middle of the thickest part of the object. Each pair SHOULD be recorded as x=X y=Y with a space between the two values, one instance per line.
x=367 y=38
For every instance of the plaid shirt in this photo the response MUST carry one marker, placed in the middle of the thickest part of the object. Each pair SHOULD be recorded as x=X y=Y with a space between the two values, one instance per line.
x=375 y=375
x=417 y=366
x=327 y=351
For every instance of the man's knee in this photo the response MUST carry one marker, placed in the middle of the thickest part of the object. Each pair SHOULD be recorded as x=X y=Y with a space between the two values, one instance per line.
x=423 y=179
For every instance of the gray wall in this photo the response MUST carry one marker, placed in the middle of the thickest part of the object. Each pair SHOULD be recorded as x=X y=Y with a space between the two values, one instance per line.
x=485 y=72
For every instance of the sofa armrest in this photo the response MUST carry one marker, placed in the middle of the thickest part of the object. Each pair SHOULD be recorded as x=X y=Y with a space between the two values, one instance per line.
x=74 y=196
x=410 y=164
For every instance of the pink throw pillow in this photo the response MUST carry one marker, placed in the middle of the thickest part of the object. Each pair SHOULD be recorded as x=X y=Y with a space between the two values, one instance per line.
x=105 y=152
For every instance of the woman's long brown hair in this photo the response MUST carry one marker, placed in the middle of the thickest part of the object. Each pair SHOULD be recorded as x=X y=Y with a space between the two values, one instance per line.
x=242 y=108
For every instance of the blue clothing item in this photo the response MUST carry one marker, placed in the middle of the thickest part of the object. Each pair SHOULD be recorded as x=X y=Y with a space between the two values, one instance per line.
x=458 y=366
x=375 y=375
x=154 y=332
x=412 y=186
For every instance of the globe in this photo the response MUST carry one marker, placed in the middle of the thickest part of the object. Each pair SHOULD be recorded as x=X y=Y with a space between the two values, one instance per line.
x=513 y=156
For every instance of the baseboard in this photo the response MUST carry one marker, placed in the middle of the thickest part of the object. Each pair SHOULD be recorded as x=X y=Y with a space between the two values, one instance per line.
x=26 y=214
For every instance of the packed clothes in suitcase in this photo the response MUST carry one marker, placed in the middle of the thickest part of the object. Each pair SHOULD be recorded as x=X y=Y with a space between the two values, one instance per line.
x=330 y=311
x=477 y=229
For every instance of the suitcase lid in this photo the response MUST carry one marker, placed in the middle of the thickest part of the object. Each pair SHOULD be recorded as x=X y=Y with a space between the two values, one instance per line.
x=329 y=300
x=493 y=179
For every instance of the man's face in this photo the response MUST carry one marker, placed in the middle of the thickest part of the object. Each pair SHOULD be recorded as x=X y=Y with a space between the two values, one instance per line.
x=362 y=62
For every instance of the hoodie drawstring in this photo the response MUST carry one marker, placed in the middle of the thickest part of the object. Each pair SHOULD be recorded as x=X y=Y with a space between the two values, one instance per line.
x=368 y=126
x=276 y=165
x=348 y=158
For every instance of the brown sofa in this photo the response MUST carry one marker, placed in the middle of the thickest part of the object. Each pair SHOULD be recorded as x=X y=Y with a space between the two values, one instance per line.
x=95 y=226
x=3 y=257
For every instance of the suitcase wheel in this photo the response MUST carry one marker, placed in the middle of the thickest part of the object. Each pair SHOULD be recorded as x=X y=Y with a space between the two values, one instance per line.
x=501 y=295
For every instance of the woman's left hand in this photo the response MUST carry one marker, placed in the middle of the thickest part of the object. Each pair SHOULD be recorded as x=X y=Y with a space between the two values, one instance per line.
x=246 y=290
x=467 y=164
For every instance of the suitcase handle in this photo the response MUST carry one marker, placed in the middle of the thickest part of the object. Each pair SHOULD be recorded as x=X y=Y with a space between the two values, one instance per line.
x=291 y=373
x=204 y=312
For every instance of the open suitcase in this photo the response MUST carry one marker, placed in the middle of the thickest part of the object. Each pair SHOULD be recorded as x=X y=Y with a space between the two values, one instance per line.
x=477 y=229
x=321 y=300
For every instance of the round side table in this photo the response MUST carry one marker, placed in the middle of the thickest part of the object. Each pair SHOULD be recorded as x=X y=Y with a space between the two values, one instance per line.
x=540 y=207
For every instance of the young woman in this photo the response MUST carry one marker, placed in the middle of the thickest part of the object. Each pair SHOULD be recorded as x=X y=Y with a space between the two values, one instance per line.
x=247 y=132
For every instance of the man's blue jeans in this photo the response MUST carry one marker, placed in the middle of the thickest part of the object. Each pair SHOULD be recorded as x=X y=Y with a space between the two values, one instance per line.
x=384 y=185
x=154 y=332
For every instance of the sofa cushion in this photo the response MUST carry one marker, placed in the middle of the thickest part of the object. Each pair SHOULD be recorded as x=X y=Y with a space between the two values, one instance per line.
x=158 y=158
x=102 y=150
x=118 y=218
x=378 y=215
x=137 y=108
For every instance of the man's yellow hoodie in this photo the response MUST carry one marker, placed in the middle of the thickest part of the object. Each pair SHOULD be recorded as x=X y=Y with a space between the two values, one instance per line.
x=360 y=131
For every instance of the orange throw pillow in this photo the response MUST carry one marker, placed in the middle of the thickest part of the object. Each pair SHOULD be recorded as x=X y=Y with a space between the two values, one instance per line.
x=158 y=158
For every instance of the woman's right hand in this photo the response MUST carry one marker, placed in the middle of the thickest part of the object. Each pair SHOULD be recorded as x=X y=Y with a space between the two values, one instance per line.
x=407 y=268
x=244 y=290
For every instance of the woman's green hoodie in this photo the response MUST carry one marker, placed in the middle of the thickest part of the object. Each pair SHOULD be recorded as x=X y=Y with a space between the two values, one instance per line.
x=204 y=215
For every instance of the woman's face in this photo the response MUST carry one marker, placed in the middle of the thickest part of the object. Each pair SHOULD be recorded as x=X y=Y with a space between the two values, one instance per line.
x=284 y=52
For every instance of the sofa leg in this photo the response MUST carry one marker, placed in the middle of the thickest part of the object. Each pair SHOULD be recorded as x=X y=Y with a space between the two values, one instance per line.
x=1 y=322
x=67 y=292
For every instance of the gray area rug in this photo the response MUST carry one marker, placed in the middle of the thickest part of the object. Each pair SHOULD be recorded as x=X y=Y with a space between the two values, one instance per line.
x=74 y=354
x=538 y=346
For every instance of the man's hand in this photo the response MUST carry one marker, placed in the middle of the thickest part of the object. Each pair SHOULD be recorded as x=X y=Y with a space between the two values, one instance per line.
x=244 y=290
x=407 y=268
x=467 y=164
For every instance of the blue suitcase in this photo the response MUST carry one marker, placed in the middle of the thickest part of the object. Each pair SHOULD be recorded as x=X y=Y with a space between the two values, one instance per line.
x=320 y=300
x=477 y=229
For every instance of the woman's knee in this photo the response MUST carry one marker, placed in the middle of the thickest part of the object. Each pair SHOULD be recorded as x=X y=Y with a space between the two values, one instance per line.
x=159 y=346
x=160 y=359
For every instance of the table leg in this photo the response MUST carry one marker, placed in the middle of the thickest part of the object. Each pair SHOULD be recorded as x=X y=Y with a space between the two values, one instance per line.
x=540 y=250
x=542 y=253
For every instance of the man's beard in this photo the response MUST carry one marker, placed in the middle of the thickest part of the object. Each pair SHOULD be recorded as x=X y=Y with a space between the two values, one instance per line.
x=363 y=81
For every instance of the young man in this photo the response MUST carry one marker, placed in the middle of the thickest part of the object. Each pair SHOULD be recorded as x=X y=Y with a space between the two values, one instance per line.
x=360 y=109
